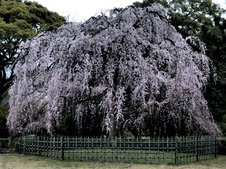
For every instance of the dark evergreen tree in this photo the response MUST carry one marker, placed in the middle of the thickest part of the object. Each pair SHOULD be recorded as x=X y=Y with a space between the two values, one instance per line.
x=20 y=21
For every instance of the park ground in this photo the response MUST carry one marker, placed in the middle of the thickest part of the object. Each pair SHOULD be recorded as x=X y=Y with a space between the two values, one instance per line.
x=16 y=161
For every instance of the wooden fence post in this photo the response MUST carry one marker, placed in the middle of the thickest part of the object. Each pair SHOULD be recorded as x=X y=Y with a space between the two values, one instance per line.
x=44 y=144
x=54 y=146
x=62 y=147
x=32 y=146
x=209 y=146
x=39 y=151
x=176 y=152
x=216 y=152
x=197 y=148
x=24 y=143
x=47 y=147
x=167 y=150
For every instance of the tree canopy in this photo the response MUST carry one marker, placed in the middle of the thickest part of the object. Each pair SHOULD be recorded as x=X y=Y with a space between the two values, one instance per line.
x=20 y=21
x=203 y=19
x=130 y=70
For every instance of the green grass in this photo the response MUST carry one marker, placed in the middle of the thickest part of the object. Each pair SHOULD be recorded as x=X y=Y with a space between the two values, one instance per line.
x=16 y=161
x=125 y=156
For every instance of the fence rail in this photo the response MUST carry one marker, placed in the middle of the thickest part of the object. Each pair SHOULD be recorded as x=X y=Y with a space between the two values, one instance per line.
x=149 y=150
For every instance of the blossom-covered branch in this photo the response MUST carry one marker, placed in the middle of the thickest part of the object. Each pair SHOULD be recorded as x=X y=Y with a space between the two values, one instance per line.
x=132 y=70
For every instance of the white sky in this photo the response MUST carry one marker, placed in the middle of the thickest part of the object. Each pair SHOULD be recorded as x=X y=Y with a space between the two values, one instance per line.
x=221 y=2
x=80 y=10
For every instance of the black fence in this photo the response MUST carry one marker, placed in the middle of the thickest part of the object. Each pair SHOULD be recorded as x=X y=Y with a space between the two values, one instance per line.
x=146 y=150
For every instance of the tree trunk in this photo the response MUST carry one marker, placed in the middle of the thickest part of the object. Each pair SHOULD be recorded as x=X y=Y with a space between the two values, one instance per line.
x=113 y=129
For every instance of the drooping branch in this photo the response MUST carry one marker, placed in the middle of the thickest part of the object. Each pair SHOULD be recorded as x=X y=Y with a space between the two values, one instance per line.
x=131 y=111
x=133 y=70
x=89 y=98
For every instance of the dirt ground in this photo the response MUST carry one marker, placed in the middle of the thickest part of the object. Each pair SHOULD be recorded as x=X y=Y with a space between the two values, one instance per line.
x=16 y=161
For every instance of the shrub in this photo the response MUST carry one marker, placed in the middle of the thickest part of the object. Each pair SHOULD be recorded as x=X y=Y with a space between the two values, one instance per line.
x=222 y=146
x=4 y=143
x=3 y=119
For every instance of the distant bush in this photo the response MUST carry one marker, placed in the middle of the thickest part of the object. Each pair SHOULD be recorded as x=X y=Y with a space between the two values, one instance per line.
x=4 y=142
x=222 y=146
x=3 y=119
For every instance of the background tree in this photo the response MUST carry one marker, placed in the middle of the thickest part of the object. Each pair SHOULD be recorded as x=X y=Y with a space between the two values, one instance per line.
x=20 y=21
x=203 y=19
x=4 y=111
x=3 y=120
x=120 y=70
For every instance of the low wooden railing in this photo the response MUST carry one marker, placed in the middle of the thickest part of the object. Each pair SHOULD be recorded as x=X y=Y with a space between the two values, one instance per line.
x=149 y=150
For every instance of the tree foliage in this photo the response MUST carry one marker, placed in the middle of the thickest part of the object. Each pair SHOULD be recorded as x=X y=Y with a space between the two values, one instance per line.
x=130 y=70
x=203 y=19
x=3 y=120
x=20 y=21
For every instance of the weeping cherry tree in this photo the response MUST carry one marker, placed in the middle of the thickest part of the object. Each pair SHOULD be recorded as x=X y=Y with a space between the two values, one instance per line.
x=131 y=69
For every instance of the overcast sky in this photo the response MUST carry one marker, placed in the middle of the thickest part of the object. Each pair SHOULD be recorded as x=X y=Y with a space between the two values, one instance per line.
x=221 y=2
x=80 y=10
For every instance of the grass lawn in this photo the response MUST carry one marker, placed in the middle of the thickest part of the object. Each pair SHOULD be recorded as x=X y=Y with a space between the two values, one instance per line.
x=16 y=161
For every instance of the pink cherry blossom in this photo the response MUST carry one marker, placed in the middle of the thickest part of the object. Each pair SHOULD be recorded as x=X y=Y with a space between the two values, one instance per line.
x=129 y=67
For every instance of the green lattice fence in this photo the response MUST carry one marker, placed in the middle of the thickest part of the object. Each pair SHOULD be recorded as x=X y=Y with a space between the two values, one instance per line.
x=146 y=150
